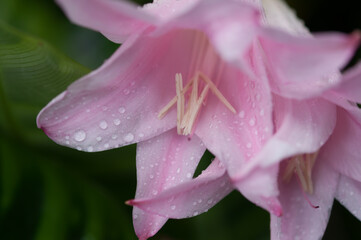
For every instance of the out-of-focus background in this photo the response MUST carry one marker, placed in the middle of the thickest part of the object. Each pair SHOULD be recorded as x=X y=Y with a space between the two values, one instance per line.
x=49 y=192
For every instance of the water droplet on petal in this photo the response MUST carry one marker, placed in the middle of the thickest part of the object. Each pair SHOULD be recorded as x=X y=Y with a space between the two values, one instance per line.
x=121 y=110
x=90 y=149
x=103 y=125
x=80 y=136
x=241 y=114
x=252 y=122
x=129 y=137
x=116 y=122
x=99 y=139
x=173 y=207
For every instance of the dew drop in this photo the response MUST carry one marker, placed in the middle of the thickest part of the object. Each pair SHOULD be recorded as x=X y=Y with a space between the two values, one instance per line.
x=98 y=138
x=80 y=136
x=241 y=114
x=249 y=145
x=103 y=125
x=90 y=149
x=129 y=137
x=252 y=122
x=189 y=175
x=141 y=135
x=121 y=110
x=195 y=213
x=116 y=122
x=173 y=207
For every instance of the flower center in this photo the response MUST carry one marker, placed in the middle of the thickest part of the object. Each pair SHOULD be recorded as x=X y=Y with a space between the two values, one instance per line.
x=301 y=165
x=187 y=111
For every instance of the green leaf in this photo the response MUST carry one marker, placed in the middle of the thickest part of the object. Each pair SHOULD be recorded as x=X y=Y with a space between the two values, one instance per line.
x=31 y=74
x=49 y=191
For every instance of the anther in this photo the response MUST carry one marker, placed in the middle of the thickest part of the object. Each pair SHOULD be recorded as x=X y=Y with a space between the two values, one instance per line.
x=187 y=115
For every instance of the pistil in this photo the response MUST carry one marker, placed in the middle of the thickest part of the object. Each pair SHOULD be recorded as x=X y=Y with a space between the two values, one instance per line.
x=187 y=112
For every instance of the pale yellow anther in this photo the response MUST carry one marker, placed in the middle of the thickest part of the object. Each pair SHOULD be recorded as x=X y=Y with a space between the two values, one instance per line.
x=187 y=115
x=302 y=166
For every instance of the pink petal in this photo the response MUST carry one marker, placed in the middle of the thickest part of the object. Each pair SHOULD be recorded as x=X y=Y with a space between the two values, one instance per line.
x=343 y=148
x=349 y=194
x=235 y=138
x=302 y=127
x=162 y=163
x=350 y=87
x=261 y=188
x=191 y=198
x=230 y=25
x=168 y=9
x=300 y=220
x=115 y=19
x=118 y=104
x=304 y=67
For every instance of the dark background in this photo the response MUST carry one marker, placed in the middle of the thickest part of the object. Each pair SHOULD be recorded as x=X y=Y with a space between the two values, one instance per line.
x=49 y=192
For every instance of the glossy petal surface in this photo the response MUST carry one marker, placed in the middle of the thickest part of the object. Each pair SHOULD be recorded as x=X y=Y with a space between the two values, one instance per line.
x=343 y=149
x=163 y=162
x=118 y=104
x=115 y=19
x=304 y=67
x=300 y=220
x=191 y=198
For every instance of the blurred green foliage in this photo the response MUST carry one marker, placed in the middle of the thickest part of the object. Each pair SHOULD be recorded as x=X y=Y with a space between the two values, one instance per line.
x=52 y=192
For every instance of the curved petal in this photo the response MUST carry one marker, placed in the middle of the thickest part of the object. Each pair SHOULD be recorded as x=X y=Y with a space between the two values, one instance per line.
x=229 y=24
x=304 y=67
x=350 y=87
x=191 y=198
x=298 y=212
x=302 y=127
x=349 y=195
x=235 y=138
x=163 y=162
x=261 y=188
x=114 y=19
x=343 y=148
x=118 y=104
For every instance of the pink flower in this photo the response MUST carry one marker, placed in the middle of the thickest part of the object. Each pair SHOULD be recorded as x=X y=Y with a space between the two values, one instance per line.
x=317 y=140
x=190 y=75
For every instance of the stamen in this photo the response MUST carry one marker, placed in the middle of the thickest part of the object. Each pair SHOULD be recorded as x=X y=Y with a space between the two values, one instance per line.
x=301 y=165
x=217 y=92
x=186 y=118
x=180 y=100
x=167 y=107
